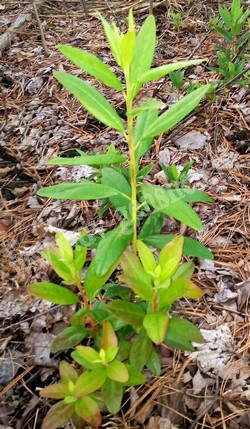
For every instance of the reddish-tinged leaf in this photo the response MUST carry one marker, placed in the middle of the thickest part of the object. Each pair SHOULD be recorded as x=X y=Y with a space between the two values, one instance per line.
x=117 y=371
x=88 y=410
x=58 y=415
x=89 y=382
x=55 y=391
x=67 y=372
x=192 y=291
x=109 y=337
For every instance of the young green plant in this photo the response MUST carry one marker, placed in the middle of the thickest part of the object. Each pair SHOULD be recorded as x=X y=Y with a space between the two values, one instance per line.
x=151 y=285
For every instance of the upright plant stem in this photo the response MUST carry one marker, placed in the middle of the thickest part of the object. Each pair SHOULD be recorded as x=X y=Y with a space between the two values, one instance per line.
x=132 y=166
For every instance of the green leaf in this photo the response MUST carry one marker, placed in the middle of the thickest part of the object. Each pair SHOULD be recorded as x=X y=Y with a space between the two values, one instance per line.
x=176 y=113
x=94 y=283
x=158 y=72
x=116 y=180
x=53 y=293
x=92 y=65
x=154 y=363
x=150 y=104
x=67 y=372
x=156 y=325
x=84 y=190
x=126 y=311
x=144 y=120
x=141 y=350
x=117 y=371
x=112 y=394
x=189 y=195
x=170 y=257
x=153 y=225
x=62 y=268
x=184 y=271
x=55 y=391
x=113 y=37
x=64 y=246
x=181 y=333
x=169 y=204
x=109 y=338
x=93 y=101
x=58 y=415
x=95 y=160
x=69 y=338
x=111 y=247
x=135 y=276
x=127 y=48
x=80 y=255
x=146 y=257
x=89 y=382
x=179 y=288
x=135 y=376
x=191 y=247
x=88 y=353
x=117 y=291
x=88 y=410
x=144 y=52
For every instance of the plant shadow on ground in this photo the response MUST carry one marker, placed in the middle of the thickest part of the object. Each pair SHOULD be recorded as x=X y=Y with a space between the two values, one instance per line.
x=192 y=392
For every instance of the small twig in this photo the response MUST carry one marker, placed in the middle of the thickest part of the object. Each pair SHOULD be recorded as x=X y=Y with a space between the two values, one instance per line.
x=151 y=7
x=40 y=28
x=84 y=5
x=199 y=45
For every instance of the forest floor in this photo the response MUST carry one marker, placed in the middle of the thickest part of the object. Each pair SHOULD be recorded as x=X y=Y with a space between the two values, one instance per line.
x=208 y=388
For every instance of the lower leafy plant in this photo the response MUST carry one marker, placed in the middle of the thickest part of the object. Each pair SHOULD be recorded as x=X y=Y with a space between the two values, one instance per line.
x=122 y=322
x=233 y=25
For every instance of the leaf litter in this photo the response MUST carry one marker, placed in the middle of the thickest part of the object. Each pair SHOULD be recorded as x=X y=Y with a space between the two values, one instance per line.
x=207 y=388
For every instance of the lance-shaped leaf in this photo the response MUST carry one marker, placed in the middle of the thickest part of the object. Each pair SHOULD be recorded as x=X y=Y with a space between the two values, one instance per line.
x=117 y=371
x=184 y=271
x=64 y=246
x=181 y=333
x=146 y=257
x=111 y=247
x=169 y=204
x=179 y=288
x=112 y=394
x=144 y=52
x=62 y=268
x=89 y=382
x=88 y=410
x=92 y=65
x=114 y=38
x=84 y=190
x=55 y=391
x=115 y=179
x=144 y=120
x=88 y=353
x=191 y=247
x=154 y=363
x=135 y=276
x=156 y=325
x=127 y=49
x=158 y=72
x=135 y=376
x=177 y=112
x=141 y=350
x=58 y=415
x=69 y=338
x=95 y=160
x=94 y=283
x=170 y=257
x=109 y=338
x=53 y=293
x=67 y=372
x=189 y=195
x=93 y=101
x=152 y=225
x=126 y=311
